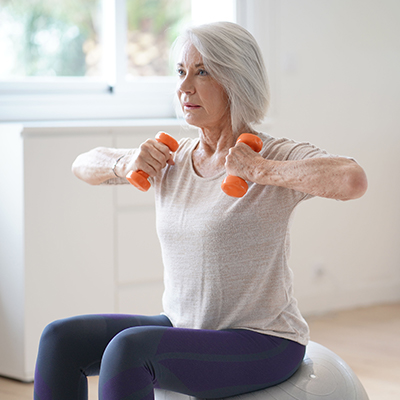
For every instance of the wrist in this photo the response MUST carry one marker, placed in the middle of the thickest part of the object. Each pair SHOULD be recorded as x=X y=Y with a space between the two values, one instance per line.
x=122 y=164
x=115 y=166
x=268 y=172
x=262 y=172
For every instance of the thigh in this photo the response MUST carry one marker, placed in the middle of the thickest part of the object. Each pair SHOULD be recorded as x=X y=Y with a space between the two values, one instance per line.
x=71 y=349
x=83 y=339
x=200 y=363
x=212 y=364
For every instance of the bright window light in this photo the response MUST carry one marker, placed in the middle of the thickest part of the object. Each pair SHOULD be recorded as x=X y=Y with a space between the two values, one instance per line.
x=75 y=59
x=39 y=39
x=205 y=11
x=152 y=26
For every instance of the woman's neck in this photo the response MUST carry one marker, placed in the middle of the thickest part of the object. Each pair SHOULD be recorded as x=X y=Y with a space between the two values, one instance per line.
x=209 y=155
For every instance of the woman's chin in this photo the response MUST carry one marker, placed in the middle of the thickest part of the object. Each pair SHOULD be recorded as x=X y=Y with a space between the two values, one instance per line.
x=191 y=121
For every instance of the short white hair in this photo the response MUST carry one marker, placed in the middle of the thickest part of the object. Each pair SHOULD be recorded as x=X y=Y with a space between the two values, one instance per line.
x=233 y=58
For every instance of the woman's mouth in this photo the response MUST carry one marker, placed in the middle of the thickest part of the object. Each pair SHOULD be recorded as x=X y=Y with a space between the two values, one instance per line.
x=190 y=106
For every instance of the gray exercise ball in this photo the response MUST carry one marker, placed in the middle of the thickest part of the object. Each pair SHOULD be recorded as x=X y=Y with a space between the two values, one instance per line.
x=322 y=376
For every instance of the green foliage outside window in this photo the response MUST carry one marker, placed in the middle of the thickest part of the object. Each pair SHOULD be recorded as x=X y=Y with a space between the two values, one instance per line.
x=62 y=37
x=153 y=25
x=52 y=38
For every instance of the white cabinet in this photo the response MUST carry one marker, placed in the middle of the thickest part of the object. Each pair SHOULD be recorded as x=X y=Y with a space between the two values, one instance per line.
x=56 y=240
x=66 y=247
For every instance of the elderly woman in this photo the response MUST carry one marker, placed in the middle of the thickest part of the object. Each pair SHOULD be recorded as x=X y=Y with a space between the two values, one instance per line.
x=230 y=323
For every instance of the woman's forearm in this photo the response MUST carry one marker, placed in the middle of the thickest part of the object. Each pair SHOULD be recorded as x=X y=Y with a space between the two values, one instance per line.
x=100 y=165
x=108 y=165
x=331 y=177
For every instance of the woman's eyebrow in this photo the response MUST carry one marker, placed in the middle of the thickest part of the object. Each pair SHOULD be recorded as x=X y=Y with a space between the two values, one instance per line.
x=196 y=65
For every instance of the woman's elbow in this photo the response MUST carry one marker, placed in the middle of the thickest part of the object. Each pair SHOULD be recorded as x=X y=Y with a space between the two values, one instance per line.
x=80 y=169
x=75 y=168
x=357 y=183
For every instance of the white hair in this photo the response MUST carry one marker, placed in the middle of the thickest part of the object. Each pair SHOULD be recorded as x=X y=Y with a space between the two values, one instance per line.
x=233 y=58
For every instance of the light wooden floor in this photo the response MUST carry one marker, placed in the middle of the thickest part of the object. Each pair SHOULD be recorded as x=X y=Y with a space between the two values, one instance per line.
x=367 y=339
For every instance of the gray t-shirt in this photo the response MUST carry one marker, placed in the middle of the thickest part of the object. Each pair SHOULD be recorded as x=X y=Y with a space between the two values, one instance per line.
x=225 y=258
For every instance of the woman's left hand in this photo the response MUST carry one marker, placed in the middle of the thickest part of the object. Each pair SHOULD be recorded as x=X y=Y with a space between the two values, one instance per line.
x=244 y=162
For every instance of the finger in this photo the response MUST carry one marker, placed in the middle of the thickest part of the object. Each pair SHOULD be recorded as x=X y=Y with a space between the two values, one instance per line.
x=161 y=152
x=237 y=160
x=171 y=161
x=155 y=150
x=153 y=157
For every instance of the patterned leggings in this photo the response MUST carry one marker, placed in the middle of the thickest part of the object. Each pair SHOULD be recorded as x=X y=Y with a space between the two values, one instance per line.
x=134 y=354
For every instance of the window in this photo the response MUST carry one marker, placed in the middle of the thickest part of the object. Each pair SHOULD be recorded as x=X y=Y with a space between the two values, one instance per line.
x=41 y=40
x=81 y=59
x=152 y=26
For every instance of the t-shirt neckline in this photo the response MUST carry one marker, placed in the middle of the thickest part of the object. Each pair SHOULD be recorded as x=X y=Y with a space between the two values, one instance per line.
x=192 y=169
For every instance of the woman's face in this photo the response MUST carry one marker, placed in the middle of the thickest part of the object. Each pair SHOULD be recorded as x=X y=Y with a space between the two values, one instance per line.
x=204 y=102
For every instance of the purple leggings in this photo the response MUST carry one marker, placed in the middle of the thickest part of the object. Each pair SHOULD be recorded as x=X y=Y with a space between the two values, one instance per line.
x=133 y=354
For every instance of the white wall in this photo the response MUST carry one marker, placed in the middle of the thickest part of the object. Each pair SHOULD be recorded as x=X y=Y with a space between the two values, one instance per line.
x=12 y=256
x=335 y=77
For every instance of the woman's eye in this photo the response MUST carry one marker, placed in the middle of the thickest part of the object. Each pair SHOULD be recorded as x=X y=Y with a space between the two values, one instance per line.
x=203 y=72
x=180 y=71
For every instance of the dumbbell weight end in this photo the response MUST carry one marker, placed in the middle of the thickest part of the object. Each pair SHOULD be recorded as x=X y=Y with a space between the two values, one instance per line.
x=234 y=186
x=139 y=180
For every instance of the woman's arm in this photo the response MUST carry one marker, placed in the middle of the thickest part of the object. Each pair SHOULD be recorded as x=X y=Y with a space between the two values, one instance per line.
x=108 y=165
x=331 y=177
x=101 y=165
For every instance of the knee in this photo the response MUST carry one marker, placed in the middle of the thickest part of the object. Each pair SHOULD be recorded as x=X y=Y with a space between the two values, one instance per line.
x=134 y=346
x=130 y=341
x=59 y=334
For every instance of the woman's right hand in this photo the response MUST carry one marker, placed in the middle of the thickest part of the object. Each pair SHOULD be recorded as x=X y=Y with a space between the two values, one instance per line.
x=152 y=156
x=104 y=164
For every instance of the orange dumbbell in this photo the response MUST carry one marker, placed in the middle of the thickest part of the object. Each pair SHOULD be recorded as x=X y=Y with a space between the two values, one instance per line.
x=233 y=185
x=139 y=178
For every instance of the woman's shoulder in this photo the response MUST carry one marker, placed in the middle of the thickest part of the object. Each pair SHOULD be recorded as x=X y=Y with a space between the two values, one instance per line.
x=281 y=148
x=187 y=144
x=276 y=142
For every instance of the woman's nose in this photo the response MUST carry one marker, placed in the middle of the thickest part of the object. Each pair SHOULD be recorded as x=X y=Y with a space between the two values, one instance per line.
x=186 y=85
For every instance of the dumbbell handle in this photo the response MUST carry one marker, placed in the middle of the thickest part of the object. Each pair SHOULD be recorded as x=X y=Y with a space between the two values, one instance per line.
x=139 y=179
x=233 y=185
